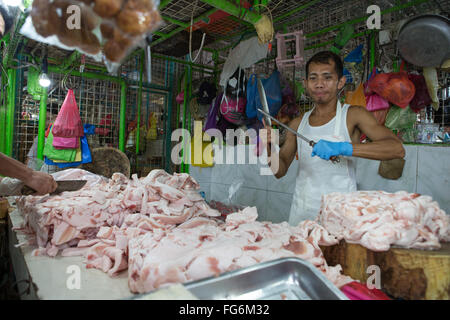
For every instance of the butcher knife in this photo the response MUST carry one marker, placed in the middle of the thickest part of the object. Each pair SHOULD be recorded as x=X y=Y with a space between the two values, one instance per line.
x=333 y=159
x=265 y=106
x=63 y=185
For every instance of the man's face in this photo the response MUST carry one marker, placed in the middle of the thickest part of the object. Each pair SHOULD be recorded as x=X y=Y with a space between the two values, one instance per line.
x=322 y=83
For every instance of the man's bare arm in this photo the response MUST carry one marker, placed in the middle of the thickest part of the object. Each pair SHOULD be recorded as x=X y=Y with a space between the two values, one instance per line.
x=42 y=182
x=384 y=146
x=287 y=152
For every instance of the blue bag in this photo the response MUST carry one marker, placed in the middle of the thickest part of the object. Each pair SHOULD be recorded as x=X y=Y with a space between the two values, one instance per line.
x=272 y=87
x=86 y=156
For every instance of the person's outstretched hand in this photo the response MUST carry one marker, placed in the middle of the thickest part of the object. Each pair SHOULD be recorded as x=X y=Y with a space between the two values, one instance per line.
x=42 y=182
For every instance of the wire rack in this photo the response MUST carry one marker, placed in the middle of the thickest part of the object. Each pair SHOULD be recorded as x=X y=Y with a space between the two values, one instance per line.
x=98 y=102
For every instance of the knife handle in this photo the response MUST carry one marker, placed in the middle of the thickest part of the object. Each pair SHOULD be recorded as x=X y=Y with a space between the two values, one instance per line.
x=26 y=191
x=333 y=159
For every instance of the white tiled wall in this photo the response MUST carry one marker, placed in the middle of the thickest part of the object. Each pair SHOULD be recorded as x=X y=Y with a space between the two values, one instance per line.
x=426 y=171
x=430 y=181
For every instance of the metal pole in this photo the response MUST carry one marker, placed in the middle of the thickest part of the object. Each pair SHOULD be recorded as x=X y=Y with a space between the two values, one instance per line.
x=122 y=121
x=186 y=168
x=9 y=126
x=372 y=50
x=185 y=106
x=240 y=12
x=177 y=30
x=139 y=103
x=41 y=127
x=168 y=130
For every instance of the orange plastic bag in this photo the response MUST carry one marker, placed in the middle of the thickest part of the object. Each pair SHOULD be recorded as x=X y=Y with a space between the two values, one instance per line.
x=357 y=97
x=68 y=122
x=394 y=87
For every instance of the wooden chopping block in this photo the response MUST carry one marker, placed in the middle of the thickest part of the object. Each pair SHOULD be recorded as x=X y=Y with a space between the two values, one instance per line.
x=106 y=161
x=405 y=273
x=4 y=205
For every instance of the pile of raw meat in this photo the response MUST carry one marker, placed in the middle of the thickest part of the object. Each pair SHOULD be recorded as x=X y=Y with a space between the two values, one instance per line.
x=162 y=230
x=378 y=219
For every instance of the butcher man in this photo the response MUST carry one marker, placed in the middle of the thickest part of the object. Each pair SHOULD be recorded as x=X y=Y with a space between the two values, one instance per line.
x=337 y=129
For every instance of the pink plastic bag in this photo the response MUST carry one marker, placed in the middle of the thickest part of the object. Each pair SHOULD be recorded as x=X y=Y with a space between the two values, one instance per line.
x=373 y=100
x=66 y=143
x=180 y=97
x=358 y=291
x=68 y=122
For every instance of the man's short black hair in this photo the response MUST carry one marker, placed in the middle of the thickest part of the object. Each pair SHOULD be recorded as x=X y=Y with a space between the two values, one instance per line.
x=324 y=57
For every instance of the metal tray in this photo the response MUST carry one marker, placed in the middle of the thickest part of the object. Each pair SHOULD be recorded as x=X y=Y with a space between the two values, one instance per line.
x=281 y=279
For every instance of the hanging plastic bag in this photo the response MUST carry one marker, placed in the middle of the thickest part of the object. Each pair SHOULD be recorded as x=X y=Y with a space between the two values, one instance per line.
x=206 y=93
x=233 y=109
x=86 y=156
x=356 y=98
x=57 y=154
x=400 y=118
x=180 y=97
x=421 y=98
x=394 y=87
x=237 y=84
x=68 y=122
x=430 y=75
x=106 y=29
x=374 y=102
x=66 y=143
x=272 y=89
x=211 y=119
x=77 y=157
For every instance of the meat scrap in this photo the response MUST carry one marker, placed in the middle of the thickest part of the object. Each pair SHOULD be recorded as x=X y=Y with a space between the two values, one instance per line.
x=209 y=249
x=378 y=219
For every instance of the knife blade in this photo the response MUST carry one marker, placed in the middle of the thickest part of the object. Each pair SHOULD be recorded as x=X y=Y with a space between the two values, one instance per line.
x=333 y=159
x=265 y=106
x=63 y=185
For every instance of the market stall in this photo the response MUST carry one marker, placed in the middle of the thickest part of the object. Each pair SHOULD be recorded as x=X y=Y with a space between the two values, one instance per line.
x=150 y=117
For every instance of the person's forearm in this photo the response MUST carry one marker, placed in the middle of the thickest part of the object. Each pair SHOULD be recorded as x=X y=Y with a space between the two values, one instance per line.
x=277 y=165
x=12 y=168
x=385 y=149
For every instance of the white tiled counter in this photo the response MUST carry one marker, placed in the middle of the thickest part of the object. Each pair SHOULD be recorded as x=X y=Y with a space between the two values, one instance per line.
x=426 y=171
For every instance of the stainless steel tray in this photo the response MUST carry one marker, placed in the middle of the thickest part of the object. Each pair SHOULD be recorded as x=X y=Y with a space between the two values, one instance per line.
x=281 y=279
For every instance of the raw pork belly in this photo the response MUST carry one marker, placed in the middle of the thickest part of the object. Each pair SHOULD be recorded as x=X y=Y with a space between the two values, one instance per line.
x=208 y=248
x=98 y=220
x=162 y=230
x=378 y=219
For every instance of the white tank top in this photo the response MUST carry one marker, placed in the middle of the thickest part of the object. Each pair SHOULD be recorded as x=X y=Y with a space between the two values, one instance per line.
x=316 y=176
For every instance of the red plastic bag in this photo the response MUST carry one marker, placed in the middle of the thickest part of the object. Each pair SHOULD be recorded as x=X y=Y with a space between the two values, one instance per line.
x=422 y=98
x=68 y=122
x=358 y=291
x=394 y=87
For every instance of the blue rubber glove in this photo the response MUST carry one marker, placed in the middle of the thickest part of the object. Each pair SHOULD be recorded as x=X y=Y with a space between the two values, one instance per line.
x=327 y=149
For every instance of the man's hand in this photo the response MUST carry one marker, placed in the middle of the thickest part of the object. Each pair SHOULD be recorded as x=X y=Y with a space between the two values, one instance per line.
x=327 y=149
x=42 y=182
